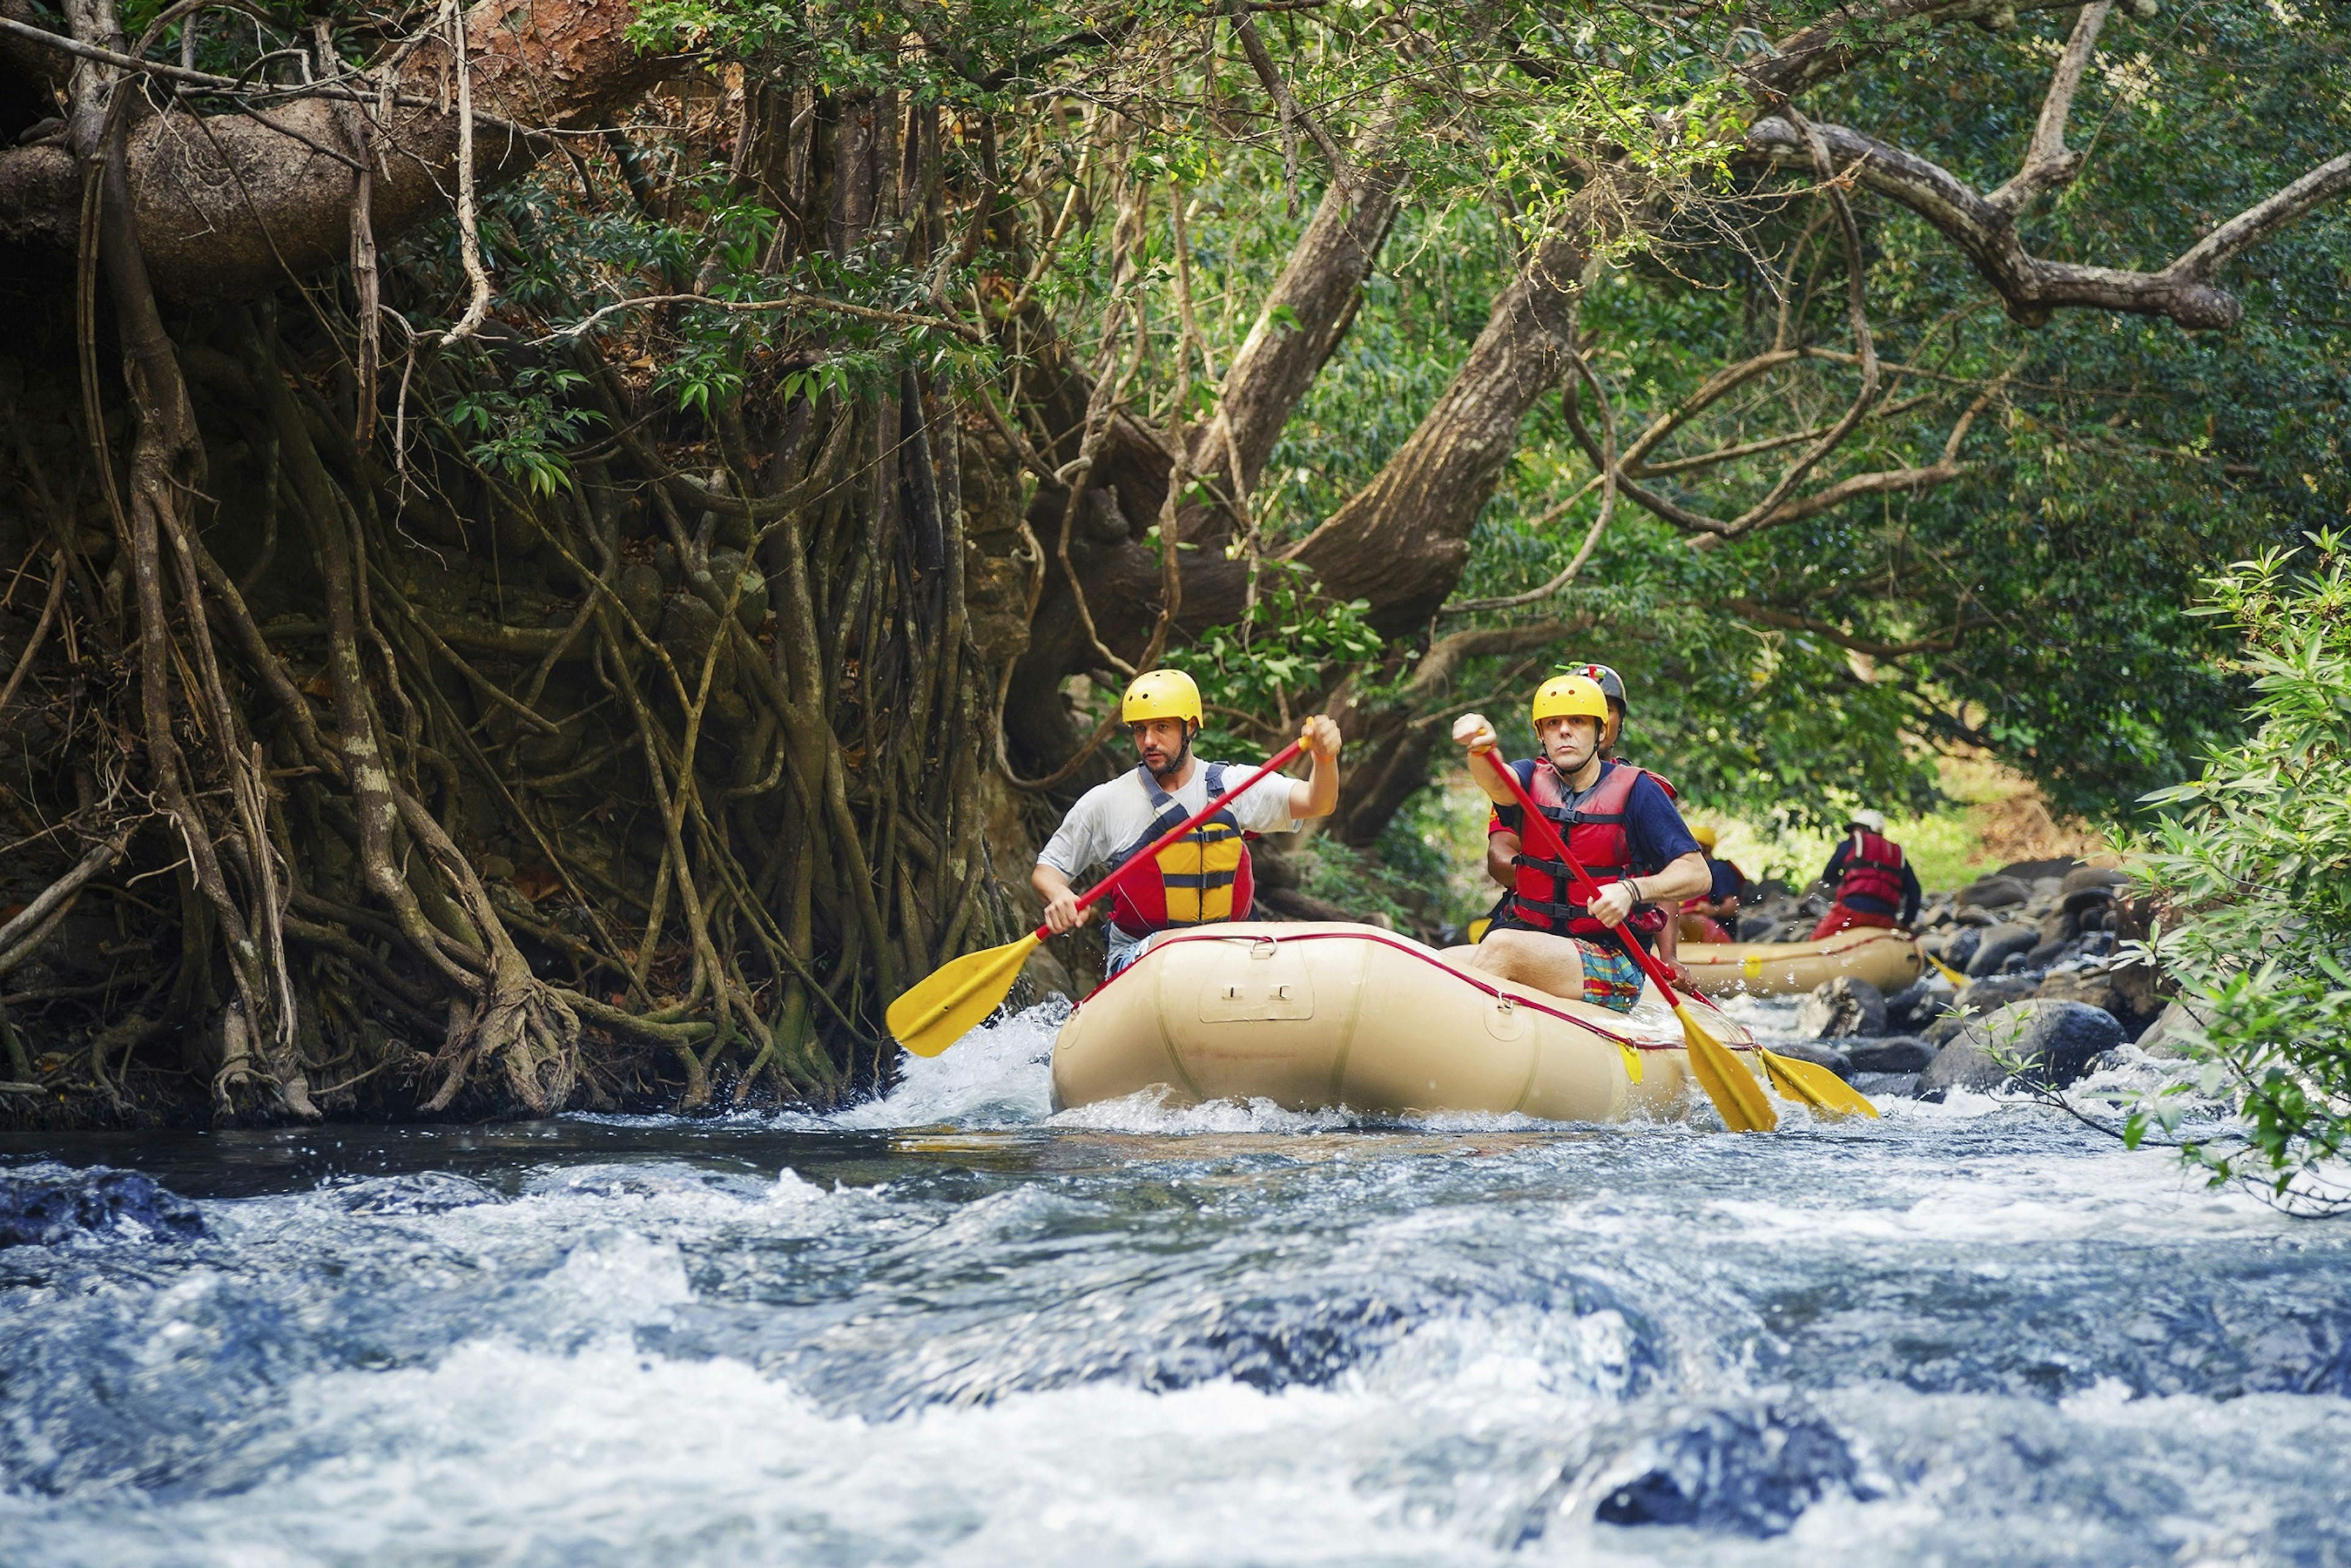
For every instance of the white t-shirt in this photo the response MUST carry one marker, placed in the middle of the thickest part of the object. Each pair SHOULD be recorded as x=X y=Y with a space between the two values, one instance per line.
x=1111 y=817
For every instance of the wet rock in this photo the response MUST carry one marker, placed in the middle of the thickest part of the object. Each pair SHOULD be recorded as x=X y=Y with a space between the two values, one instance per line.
x=2049 y=1043
x=1885 y=1085
x=1919 y=1004
x=1973 y=1002
x=2175 y=1031
x=1995 y=892
x=1842 y=1007
x=1893 y=1054
x=1737 y=1472
x=1757 y=927
x=2090 y=887
x=1998 y=943
x=1046 y=972
x=42 y=1210
x=1817 y=1052
x=1955 y=948
x=2125 y=991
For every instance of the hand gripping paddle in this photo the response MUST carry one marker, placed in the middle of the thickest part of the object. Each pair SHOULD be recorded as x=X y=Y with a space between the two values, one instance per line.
x=958 y=997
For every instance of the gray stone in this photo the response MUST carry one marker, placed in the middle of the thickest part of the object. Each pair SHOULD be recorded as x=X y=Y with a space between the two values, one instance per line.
x=2175 y=1031
x=1844 y=1006
x=1046 y=972
x=1815 y=1052
x=1887 y=1085
x=1995 y=891
x=1757 y=927
x=1894 y=1053
x=2044 y=1042
x=2085 y=887
x=1956 y=948
x=2125 y=991
x=1999 y=942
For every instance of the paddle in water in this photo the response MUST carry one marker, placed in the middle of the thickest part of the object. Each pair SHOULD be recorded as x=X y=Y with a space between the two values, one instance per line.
x=958 y=997
x=1732 y=1087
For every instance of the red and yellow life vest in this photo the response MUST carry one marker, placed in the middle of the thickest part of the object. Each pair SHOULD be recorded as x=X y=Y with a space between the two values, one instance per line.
x=1874 y=870
x=1541 y=897
x=1204 y=876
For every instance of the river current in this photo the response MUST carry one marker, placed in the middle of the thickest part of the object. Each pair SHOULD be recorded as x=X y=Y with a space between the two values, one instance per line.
x=950 y=1327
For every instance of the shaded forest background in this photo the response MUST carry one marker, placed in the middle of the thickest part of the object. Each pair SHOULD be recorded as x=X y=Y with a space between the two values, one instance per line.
x=560 y=554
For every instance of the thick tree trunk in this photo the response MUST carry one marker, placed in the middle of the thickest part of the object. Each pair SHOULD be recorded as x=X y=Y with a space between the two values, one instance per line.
x=237 y=205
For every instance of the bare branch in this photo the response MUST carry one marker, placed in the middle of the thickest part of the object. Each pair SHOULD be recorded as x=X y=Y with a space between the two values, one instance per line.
x=2030 y=287
x=1276 y=89
x=2047 y=163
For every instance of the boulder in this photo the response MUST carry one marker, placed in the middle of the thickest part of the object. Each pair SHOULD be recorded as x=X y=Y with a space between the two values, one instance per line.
x=1894 y=1053
x=1998 y=943
x=2125 y=991
x=1817 y=1052
x=1956 y=948
x=1048 y=974
x=1844 y=1006
x=1917 y=1004
x=1757 y=927
x=1749 y=1473
x=2030 y=871
x=1885 y=1085
x=1994 y=892
x=2176 y=1031
x=2048 y=1043
x=2085 y=887
x=1991 y=993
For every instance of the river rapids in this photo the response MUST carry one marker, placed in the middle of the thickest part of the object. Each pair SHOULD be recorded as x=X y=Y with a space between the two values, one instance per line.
x=950 y=1327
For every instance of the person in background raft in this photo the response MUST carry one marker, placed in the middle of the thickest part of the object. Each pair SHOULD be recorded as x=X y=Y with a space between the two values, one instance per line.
x=1204 y=876
x=1618 y=821
x=1703 y=917
x=1875 y=885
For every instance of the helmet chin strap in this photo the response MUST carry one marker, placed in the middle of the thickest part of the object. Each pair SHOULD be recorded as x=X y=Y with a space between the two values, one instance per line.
x=1183 y=754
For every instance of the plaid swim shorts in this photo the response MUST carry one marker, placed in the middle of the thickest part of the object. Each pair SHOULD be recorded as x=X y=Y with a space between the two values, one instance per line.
x=1611 y=978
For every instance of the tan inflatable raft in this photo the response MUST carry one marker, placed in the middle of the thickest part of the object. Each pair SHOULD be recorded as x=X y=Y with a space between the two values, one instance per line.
x=1315 y=1016
x=1886 y=959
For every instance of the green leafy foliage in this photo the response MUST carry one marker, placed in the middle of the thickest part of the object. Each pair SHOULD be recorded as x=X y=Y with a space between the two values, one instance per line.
x=2255 y=857
x=522 y=431
x=1291 y=644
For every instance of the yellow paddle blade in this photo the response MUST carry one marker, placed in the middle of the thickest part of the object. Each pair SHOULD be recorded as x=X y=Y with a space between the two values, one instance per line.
x=1949 y=973
x=1632 y=1062
x=958 y=997
x=1816 y=1086
x=1729 y=1085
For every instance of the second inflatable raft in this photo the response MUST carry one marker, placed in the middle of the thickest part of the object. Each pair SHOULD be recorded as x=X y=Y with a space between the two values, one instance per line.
x=1886 y=959
x=1325 y=1015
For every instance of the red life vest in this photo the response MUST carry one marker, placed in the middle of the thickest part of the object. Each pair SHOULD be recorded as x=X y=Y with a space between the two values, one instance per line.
x=1204 y=876
x=1873 y=869
x=1541 y=897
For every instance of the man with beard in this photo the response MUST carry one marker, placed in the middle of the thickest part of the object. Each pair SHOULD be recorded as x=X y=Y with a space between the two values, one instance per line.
x=1205 y=875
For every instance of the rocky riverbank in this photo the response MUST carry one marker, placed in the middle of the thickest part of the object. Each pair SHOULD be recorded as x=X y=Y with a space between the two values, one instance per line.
x=2031 y=979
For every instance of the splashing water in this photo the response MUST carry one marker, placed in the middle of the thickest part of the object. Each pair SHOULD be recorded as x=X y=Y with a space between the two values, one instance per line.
x=950 y=1326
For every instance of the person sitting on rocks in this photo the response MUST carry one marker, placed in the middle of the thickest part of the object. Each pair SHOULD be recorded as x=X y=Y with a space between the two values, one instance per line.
x=1875 y=884
x=1619 y=823
x=1713 y=917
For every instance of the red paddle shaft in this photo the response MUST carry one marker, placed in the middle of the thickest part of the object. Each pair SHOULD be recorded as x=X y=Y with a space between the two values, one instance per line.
x=1585 y=888
x=1102 y=889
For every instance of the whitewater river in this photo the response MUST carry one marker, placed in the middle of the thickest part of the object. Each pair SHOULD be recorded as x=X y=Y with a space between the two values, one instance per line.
x=949 y=1327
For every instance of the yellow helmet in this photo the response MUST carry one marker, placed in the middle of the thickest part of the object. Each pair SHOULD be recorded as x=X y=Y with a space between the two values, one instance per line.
x=1704 y=835
x=1570 y=697
x=1161 y=694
